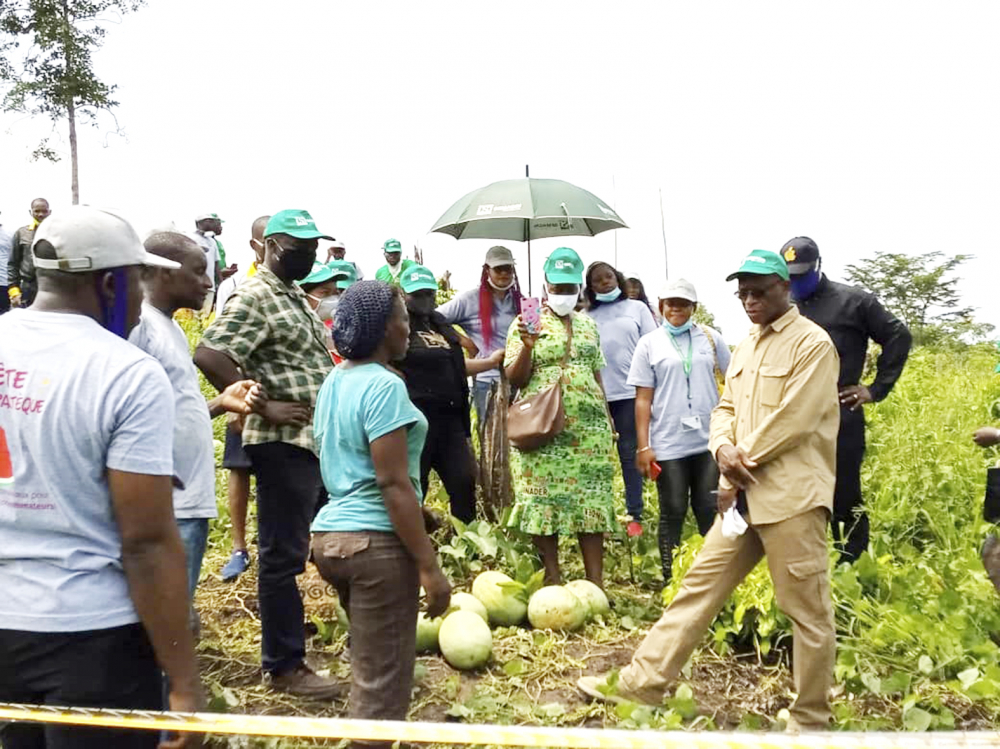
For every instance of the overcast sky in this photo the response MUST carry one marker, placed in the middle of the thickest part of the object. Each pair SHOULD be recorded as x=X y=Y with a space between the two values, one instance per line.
x=866 y=125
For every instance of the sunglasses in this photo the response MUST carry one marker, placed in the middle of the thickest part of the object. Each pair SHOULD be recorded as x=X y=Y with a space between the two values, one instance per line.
x=744 y=294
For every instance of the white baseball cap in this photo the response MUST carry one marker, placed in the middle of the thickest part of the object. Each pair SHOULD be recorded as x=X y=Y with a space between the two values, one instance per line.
x=337 y=245
x=206 y=216
x=679 y=289
x=88 y=239
x=499 y=255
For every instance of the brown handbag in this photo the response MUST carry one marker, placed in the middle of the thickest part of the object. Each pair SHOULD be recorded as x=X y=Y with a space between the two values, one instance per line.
x=535 y=421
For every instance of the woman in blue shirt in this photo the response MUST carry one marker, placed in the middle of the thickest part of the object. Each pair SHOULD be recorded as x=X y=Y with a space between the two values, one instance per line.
x=485 y=314
x=621 y=322
x=674 y=372
x=369 y=540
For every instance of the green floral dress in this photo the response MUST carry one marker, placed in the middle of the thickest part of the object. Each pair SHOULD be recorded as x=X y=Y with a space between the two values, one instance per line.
x=565 y=487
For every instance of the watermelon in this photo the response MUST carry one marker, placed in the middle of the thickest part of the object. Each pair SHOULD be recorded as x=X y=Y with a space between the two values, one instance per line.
x=427 y=633
x=468 y=602
x=591 y=595
x=505 y=606
x=465 y=640
x=554 y=607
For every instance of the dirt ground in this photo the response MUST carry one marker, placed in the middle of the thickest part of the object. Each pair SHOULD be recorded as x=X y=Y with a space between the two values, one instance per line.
x=531 y=679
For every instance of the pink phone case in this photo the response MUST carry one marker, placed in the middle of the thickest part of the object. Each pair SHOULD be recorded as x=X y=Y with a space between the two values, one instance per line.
x=530 y=313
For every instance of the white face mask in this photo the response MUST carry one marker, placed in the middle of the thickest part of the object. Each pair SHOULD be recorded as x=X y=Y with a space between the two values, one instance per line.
x=562 y=304
x=499 y=288
x=325 y=307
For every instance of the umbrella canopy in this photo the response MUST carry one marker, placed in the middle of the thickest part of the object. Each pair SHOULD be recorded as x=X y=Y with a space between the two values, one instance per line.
x=524 y=209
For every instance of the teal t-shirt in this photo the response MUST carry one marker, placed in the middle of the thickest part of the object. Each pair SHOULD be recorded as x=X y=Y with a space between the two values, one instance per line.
x=356 y=406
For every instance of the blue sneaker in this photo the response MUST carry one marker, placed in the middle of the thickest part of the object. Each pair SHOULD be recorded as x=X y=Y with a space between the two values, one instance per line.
x=236 y=565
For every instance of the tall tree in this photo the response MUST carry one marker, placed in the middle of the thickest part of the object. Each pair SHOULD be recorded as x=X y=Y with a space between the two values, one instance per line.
x=923 y=291
x=55 y=77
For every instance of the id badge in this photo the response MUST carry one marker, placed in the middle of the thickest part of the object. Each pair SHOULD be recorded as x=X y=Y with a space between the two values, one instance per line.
x=691 y=424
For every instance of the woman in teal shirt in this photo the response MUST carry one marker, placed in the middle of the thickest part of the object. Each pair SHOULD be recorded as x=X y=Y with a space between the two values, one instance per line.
x=369 y=540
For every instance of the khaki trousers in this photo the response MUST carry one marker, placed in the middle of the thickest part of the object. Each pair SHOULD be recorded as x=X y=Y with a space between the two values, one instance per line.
x=797 y=558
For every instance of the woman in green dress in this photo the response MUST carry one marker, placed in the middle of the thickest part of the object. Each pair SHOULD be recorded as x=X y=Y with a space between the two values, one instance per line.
x=566 y=485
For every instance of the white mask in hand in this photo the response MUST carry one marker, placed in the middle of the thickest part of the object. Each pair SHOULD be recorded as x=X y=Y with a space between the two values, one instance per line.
x=733 y=524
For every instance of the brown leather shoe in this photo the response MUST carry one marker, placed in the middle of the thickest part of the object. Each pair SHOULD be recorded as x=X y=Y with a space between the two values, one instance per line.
x=304 y=682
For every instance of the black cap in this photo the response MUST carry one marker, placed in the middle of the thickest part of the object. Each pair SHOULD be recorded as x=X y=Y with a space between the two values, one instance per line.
x=801 y=255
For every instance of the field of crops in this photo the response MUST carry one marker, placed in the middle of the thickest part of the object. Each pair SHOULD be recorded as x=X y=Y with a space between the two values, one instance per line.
x=918 y=620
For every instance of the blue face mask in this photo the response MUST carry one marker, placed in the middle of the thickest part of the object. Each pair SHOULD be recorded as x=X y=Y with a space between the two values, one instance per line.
x=678 y=329
x=114 y=316
x=804 y=286
x=609 y=296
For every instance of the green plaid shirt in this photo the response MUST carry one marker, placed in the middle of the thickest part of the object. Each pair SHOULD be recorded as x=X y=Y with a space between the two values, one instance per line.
x=268 y=329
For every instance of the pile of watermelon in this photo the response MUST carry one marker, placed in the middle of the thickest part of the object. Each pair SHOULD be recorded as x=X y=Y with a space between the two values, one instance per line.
x=463 y=634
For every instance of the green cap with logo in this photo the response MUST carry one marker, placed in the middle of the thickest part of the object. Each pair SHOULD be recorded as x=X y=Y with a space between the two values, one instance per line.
x=344 y=272
x=320 y=273
x=762 y=263
x=392 y=245
x=294 y=223
x=416 y=278
x=564 y=266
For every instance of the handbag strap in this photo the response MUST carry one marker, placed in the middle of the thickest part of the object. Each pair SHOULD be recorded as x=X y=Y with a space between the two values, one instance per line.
x=568 y=325
x=715 y=350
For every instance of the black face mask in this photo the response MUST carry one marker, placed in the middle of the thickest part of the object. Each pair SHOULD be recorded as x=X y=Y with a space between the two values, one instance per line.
x=420 y=306
x=297 y=264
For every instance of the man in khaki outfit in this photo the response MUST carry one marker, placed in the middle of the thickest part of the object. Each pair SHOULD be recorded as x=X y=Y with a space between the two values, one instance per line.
x=774 y=436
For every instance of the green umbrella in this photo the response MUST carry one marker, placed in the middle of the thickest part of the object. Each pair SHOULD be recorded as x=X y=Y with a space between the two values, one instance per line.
x=524 y=209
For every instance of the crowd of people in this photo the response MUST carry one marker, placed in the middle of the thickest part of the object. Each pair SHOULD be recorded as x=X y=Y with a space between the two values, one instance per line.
x=342 y=394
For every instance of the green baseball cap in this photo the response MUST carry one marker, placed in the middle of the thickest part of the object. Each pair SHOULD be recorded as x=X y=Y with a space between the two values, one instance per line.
x=344 y=272
x=294 y=223
x=392 y=245
x=564 y=266
x=416 y=278
x=320 y=273
x=762 y=263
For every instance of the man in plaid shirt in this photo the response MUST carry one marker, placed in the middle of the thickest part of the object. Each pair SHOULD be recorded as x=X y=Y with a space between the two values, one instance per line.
x=267 y=331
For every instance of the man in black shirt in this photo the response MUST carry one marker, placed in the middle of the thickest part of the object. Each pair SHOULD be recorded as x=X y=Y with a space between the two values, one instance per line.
x=21 y=282
x=851 y=316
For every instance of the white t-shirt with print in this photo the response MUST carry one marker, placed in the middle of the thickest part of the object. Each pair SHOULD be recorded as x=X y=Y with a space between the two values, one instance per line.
x=194 y=453
x=75 y=401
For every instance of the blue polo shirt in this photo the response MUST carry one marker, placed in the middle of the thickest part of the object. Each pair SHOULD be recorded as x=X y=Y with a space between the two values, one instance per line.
x=463 y=310
x=621 y=324
x=356 y=406
x=679 y=423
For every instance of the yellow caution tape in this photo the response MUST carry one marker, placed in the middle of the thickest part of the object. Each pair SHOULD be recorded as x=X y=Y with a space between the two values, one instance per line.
x=462 y=733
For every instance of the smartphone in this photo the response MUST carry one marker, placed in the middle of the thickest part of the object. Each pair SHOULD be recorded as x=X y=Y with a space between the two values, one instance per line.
x=531 y=313
x=654 y=470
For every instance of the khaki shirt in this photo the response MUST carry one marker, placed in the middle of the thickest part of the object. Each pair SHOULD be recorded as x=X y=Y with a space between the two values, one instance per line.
x=781 y=406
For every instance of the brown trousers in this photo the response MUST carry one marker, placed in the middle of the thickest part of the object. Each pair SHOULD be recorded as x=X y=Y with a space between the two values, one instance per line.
x=378 y=584
x=796 y=553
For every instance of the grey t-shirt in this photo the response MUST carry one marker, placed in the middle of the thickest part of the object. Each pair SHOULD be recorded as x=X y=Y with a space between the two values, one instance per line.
x=679 y=423
x=621 y=324
x=75 y=401
x=463 y=311
x=194 y=454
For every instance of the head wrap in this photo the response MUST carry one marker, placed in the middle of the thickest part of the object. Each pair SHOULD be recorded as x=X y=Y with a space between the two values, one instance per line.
x=363 y=312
